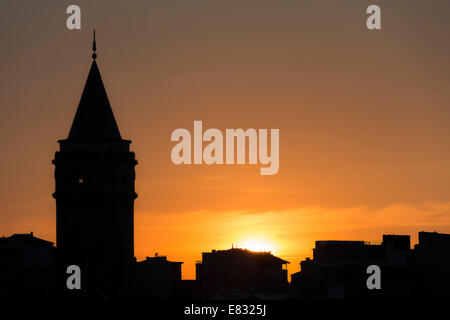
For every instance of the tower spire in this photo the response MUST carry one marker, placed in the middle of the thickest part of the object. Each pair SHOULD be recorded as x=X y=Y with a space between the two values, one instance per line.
x=94 y=118
x=94 y=48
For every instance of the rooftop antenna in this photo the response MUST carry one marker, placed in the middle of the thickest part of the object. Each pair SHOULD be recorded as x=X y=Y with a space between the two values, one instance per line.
x=94 y=48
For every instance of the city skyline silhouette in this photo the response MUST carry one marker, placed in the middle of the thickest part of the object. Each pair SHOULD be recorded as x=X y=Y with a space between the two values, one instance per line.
x=363 y=146
x=95 y=193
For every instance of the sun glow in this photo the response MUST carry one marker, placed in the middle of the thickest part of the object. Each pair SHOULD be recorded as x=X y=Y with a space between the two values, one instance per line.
x=256 y=244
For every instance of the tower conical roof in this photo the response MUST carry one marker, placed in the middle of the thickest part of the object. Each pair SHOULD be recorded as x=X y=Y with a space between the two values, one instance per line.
x=94 y=118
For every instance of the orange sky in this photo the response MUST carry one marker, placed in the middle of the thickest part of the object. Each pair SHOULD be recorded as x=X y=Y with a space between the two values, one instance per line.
x=363 y=117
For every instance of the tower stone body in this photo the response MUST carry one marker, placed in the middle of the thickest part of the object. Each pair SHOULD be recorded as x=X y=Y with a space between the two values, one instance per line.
x=94 y=189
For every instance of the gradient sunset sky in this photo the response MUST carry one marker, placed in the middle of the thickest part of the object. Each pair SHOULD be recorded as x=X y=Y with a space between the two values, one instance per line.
x=364 y=117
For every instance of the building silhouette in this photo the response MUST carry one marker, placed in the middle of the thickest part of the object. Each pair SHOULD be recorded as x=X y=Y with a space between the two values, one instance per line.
x=94 y=191
x=239 y=273
x=338 y=269
x=430 y=266
x=157 y=277
x=26 y=267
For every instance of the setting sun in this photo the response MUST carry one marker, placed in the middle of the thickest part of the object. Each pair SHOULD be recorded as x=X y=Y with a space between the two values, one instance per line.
x=256 y=244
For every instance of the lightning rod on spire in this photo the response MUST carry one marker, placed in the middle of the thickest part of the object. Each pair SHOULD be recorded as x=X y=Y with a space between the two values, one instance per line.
x=94 y=47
